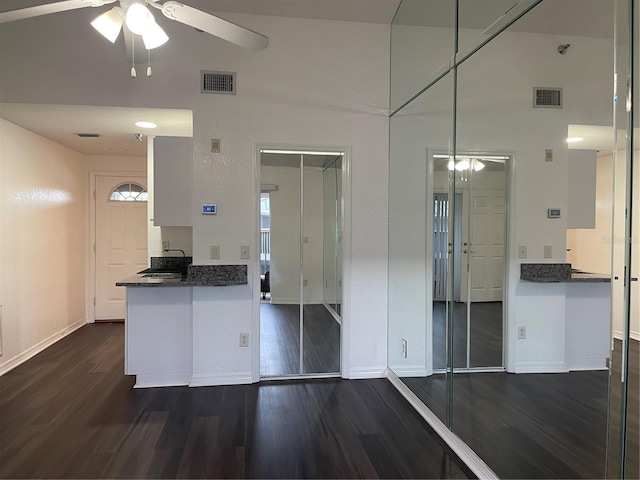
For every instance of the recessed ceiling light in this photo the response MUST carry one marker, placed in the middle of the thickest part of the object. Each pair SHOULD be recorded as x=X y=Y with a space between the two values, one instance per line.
x=146 y=124
x=574 y=139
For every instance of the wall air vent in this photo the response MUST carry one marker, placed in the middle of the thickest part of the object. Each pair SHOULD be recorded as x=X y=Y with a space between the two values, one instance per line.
x=218 y=82
x=547 y=97
x=88 y=135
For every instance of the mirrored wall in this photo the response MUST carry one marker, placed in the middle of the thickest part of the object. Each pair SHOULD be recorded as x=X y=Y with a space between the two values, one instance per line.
x=301 y=263
x=513 y=292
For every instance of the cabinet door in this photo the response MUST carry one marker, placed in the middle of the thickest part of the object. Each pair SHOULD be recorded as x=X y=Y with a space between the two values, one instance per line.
x=173 y=179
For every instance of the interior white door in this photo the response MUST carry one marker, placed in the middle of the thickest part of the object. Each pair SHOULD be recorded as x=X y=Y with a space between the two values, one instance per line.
x=487 y=246
x=121 y=244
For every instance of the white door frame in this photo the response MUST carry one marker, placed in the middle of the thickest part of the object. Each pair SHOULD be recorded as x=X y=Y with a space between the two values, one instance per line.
x=91 y=254
x=345 y=331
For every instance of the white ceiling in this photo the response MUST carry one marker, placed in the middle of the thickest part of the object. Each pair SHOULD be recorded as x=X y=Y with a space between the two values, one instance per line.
x=62 y=123
x=115 y=125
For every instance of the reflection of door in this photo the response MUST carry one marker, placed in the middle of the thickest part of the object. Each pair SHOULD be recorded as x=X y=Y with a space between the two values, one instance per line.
x=121 y=242
x=487 y=248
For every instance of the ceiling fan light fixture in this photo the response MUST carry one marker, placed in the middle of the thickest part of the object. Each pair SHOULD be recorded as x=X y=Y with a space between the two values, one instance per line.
x=109 y=24
x=154 y=36
x=138 y=18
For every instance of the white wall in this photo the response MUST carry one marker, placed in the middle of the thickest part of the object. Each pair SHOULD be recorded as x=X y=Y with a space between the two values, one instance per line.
x=43 y=225
x=285 y=233
x=321 y=83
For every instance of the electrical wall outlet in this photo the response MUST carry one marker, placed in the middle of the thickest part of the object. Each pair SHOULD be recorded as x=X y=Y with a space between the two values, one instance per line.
x=215 y=252
x=522 y=333
x=522 y=251
x=405 y=350
x=305 y=283
x=244 y=339
x=166 y=244
x=215 y=145
x=548 y=155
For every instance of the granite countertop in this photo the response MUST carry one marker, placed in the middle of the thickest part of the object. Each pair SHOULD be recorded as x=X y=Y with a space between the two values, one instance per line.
x=559 y=272
x=197 y=276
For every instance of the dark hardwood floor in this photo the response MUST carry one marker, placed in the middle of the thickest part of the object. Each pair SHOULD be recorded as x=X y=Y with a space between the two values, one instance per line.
x=280 y=340
x=486 y=335
x=539 y=425
x=69 y=412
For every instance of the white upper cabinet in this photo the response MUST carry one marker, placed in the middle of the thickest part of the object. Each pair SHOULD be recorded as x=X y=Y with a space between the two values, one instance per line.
x=173 y=181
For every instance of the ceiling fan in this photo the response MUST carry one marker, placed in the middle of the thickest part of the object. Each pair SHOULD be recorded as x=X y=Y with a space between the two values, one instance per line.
x=138 y=19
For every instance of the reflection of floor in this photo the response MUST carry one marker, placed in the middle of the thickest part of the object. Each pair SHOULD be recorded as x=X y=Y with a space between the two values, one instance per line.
x=486 y=335
x=280 y=340
x=536 y=425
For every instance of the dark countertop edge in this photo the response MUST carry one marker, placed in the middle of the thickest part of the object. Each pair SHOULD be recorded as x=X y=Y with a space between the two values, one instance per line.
x=140 y=281
x=575 y=278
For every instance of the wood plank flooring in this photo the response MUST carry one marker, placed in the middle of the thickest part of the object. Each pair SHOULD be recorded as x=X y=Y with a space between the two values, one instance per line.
x=280 y=340
x=538 y=425
x=486 y=335
x=69 y=412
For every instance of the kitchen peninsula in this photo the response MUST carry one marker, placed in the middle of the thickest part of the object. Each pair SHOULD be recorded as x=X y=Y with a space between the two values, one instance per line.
x=575 y=317
x=161 y=337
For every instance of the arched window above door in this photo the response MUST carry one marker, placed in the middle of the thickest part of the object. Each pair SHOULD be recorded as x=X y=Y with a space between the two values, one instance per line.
x=129 y=192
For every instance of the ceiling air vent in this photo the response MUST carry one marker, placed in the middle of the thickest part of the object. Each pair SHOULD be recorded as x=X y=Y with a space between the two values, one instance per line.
x=218 y=82
x=547 y=97
x=88 y=135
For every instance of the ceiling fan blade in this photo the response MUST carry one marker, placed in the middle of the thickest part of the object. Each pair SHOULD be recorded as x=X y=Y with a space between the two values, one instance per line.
x=215 y=26
x=56 y=7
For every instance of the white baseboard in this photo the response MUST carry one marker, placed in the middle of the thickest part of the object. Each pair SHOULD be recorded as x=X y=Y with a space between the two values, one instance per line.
x=541 y=367
x=150 y=380
x=583 y=364
x=634 y=335
x=295 y=301
x=409 y=370
x=364 y=373
x=461 y=449
x=211 y=380
x=40 y=346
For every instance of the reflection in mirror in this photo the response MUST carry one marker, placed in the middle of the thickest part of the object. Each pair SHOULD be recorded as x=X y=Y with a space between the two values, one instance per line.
x=300 y=329
x=547 y=77
x=419 y=24
x=424 y=124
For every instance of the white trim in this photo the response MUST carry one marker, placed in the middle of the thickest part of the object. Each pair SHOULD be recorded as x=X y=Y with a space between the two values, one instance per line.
x=40 y=346
x=333 y=313
x=365 y=373
x=619 y=335
x=151 y=380
x=91 y=255
x=409 y=370
x=586 y=364
x=460 y=448
x=541 y=367
x=210 y=380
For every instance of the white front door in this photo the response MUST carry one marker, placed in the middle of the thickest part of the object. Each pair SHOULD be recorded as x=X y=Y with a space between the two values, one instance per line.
x=487 y=246
x=121 y=243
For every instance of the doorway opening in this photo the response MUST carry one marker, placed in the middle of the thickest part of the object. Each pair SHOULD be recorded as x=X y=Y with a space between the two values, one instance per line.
x=301 y=264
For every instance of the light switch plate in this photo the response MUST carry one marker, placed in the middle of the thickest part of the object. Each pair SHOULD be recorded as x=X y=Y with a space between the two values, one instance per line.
x=548 y=252
x=215 y=252
x=245 y=252
x=522 y=251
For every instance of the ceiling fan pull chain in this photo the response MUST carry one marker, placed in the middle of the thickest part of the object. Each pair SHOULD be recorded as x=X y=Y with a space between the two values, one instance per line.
x=149 y=67
x=133 y=56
